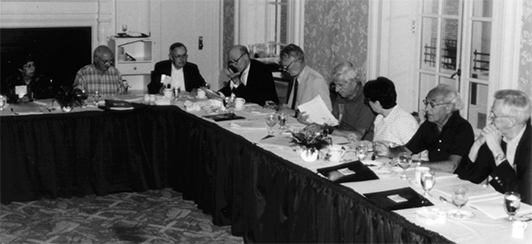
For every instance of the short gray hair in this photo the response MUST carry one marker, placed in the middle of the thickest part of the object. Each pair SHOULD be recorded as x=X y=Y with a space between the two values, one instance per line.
x=346 y=71
x=450 y=95
x=515 y=103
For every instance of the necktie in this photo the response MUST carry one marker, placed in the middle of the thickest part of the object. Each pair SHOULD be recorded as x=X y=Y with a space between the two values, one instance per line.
x=294 y=98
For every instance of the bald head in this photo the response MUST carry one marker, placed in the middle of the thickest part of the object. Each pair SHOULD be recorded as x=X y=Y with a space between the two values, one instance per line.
x=103 y=58
x=238 y=58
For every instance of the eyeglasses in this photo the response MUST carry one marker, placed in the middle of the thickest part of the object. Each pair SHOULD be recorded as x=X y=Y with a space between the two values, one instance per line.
x=286 y=67
x=233 y=62
x=432 y=103
x=182 y=56
x=493 y=116
x=108 y=62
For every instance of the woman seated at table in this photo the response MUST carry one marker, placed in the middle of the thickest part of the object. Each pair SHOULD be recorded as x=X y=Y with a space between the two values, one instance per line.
x=28 y=85
x=445 y=134
x=393 y=125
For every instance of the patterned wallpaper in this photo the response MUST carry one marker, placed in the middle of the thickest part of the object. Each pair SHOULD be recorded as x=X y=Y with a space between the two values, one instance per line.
x=229 y=27
x=336 y=31
x=525 y=68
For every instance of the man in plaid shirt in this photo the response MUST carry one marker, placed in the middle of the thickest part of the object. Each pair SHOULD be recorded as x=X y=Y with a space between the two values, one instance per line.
x=100 y=76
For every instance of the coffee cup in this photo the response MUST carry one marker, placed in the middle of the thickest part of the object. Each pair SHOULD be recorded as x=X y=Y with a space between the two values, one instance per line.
x=239 y=103
x=336 y=152
x=201 y=94
x=168 y=93
x=420 y=170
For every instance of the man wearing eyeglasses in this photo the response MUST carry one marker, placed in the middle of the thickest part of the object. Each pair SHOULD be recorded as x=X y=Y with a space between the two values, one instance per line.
x=100 y=76
x=503 y=151
x=181 y=74
x=307 y=83
x=445 y=134
x=248 y=78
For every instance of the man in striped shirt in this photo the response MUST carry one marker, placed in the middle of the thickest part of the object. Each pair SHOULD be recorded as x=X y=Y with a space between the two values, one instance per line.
x=393 y=125
x=100 y=76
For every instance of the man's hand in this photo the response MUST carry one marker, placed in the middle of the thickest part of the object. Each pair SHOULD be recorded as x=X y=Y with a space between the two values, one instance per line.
x=493 y=138
x=233 y=76
x=381 y=149
x=302 y=118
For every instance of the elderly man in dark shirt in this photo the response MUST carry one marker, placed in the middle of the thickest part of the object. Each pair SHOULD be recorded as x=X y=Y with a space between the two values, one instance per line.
x=445 y=134
x=503 y=149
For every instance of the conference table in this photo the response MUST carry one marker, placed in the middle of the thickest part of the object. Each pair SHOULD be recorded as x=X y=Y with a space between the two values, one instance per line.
x=256 y=184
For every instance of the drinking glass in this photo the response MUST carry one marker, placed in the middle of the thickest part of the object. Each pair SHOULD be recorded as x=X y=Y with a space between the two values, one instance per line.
x=404 y=161
x=361 y=150
x=124 y=28
x=460 y=197
x=512 y=201
x=271 y=120
x=282 y=120
x=2 y=102
x=428 y=180
x=96 y=97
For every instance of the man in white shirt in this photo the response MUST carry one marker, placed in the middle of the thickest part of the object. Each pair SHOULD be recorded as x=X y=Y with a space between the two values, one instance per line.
x=177 y=72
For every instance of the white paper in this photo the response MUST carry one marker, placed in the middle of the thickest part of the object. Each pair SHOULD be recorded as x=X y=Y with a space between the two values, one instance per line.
x=21 y=90
x=318 y=112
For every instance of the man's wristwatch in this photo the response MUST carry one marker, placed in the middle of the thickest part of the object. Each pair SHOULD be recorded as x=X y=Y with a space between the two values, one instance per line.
x=499 y=158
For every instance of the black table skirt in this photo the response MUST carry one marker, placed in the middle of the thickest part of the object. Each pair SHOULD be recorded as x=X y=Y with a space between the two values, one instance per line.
x=262 y=196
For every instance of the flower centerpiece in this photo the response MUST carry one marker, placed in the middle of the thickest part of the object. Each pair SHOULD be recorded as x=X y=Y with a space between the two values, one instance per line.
x=68 y=98
x=311 y=140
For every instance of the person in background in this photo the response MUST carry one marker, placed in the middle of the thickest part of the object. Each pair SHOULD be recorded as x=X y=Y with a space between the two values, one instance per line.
x=100 y=76
x=393 y=124
x=307 y=83
x=28 y=85
x=355 y=118
x=248 y=78
x=183 y=74
x=502 y=150
x=445 y=134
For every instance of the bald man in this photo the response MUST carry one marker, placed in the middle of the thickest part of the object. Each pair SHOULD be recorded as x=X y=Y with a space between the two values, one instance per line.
x=248 y=78
x=101 y=75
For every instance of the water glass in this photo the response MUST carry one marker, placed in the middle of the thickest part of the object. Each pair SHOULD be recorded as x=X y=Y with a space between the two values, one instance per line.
x=404 y=161
x=271 y=120
x=512 y=202
x=460 y=198
x=361 y=150
x=96 y=98
x=282 y=120
x=428 y=180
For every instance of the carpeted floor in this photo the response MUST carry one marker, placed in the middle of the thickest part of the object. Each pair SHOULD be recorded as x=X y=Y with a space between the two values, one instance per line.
x=157 y=216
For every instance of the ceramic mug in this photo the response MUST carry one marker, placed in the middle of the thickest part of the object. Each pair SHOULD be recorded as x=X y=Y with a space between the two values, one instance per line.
x=201 y=94
x=168 y=93
x=336 y=152
x=239 y=103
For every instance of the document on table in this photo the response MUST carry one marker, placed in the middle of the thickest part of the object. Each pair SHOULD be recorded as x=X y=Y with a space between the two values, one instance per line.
x=318 y=112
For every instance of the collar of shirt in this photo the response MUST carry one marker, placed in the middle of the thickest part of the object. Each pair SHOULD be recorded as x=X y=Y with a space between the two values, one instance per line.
x=511 y=146
x=177 y=77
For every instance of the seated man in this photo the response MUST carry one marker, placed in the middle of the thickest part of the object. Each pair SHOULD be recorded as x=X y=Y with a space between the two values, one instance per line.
x=184 y=75
x=445 y=134
x=503 y=149
x=307 y=82
x=248 y=78
x=100 y=76
x=393 y=124
x=354 y=117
